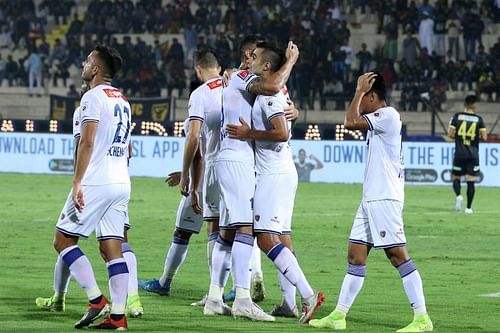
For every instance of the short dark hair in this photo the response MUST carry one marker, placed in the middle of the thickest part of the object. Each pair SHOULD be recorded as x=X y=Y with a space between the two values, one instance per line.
x=470 y=100
x=378 y=86
x=273 y=54
x=110 y=58
x=248 y=41
x=206 y=58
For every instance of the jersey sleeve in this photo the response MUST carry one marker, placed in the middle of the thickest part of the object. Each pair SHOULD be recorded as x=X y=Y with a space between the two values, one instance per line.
x=381 y=121
x=76 y=122
x=481 y=125
x=195 y=107
x=89 y=109
x=453 y=121
x=240 y=80
x=271 y=106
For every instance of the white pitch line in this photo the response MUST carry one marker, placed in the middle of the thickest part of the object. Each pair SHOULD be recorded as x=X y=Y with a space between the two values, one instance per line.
x=490 y=295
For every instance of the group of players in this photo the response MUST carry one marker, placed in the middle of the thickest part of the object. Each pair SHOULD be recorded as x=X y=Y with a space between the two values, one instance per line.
x=238 y=173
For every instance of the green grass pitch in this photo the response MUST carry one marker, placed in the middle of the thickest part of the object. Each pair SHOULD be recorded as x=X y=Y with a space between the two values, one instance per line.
x=457 y=255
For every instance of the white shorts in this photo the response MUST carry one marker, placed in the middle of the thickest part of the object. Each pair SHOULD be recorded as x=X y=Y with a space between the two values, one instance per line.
x=379 y=224
x=273 y=203
x=186 y=219
x=211 y=191
x=105 y=212
x=237 y=187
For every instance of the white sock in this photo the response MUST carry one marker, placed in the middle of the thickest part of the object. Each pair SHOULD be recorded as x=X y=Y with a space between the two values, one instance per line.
x=175 y=258
x=412 y=282
x=256 y=263
x=351 y=286
x=212 y=239
x=62 y=276
x=81 y=270
x=286 y=263
x=118 y=284
x=131 y=261
x=241 y=255
x=288 y=291
x=221 y=266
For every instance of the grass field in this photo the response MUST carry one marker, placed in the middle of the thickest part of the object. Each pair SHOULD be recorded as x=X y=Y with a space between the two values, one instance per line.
x=457 y=255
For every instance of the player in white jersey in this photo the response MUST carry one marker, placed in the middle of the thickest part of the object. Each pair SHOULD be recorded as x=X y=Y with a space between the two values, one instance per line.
x=203 y=122
x=379 y=220
x=101 y=190
x=276 y=184
x=61 y=272
x=235 y=172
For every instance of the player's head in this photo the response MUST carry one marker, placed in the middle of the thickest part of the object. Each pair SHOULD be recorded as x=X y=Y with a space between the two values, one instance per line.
x=302 y=155
x=104 y=62
x=205 y=62
x=266 y=57
x=470 y=103
x=247 y=45
x=372 y=100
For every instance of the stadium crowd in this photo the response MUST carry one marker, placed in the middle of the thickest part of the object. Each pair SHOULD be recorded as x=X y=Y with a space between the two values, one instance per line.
x=442 y=47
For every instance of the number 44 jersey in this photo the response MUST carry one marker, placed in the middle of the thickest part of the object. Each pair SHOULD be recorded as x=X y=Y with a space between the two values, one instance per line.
x=106 y=106
x=467 y=126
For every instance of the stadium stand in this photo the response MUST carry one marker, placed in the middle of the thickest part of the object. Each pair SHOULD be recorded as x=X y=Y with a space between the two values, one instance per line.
x=338 y=40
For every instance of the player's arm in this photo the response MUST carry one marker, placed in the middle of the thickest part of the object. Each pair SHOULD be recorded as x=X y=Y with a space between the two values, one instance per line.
x=76 y=141
x=279 y=132
x=85 y=148
x=452 y=128
x=196 y=176
x=291 y=112
x=318 y=165
x=273 y=84
x=354 y=119
x=190 y=147
x=483 y=134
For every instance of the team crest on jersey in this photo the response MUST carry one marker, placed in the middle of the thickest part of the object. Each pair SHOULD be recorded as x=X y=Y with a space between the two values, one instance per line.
x=376 y=114
x=62 y=216
x=244 y=75
x=257 y=218
x=270 y=103
x=382 y=234
x=77 y=123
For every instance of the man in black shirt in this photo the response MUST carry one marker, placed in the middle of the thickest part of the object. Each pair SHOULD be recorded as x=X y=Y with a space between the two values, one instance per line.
x=466 y=128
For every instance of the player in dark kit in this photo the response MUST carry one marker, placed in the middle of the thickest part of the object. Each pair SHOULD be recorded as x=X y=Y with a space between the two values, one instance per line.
x=466 y=128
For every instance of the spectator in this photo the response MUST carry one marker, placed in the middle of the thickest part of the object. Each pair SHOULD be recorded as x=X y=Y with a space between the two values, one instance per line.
x=425 y=32
x=5 y=38
x=34 y=66
x=2 y=69
x=453 y=31
x=176 y=53
x=365 y=58
x=440 y=30
x=11 y=71
x=73 y=92
x=60 y=71
x=411 y=49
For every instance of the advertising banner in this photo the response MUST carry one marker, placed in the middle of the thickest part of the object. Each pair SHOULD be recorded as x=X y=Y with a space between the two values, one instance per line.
x=426 y=163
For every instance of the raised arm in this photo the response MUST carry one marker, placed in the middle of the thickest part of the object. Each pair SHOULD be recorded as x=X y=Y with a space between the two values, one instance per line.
x=354 y=119
x=273 y=84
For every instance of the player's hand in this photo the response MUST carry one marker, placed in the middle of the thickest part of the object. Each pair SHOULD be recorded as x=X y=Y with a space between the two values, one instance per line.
x=227 y=75
x=238 y=132
x=173 y=178
x=291 y=112
x=195 y=203
x=184 y=185
x=365 y=82
x=292 y=52
x=77 y=196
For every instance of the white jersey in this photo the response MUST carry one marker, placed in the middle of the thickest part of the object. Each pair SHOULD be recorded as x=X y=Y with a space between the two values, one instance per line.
x=106 y=106
x=76 y=122
x=237 y=102
x=205 y=105
x=384 y=169
x=271 y=157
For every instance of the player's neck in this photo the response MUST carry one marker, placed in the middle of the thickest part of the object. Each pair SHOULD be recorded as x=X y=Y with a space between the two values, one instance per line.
x=98 y=81
x=210 y=76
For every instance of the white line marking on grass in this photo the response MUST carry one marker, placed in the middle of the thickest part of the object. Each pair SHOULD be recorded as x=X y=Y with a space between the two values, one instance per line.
x=490 y=295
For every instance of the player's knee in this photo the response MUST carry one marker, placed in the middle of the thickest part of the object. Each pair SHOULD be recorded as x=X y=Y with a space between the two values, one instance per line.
x=62 y=241
x=355 y=259
x=266 y=241
x=182 y=234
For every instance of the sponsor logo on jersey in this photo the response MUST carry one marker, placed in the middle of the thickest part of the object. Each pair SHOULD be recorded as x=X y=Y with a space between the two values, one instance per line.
x=215 y=84
x=270 y=103
x=245 y=75
x=113 y=93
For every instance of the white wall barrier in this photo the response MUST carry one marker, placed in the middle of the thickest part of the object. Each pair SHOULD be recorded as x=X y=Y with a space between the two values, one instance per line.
x=153 y=156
